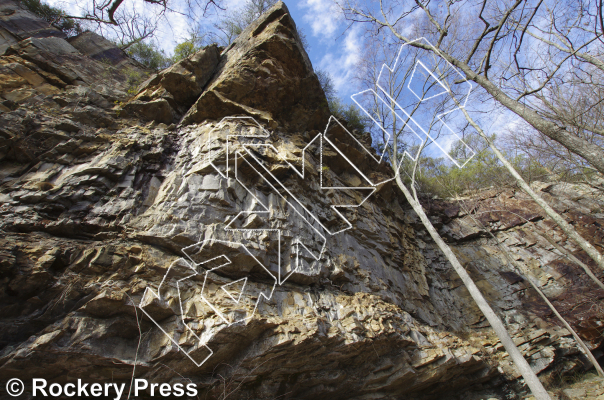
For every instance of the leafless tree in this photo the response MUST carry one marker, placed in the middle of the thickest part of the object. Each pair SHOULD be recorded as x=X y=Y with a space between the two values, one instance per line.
x=450 y=39
x=226 y=29
x=522 y=270
x=579 y=107
x=409 y=104
x=489 y=43
x=529 y=376
x=128 y=24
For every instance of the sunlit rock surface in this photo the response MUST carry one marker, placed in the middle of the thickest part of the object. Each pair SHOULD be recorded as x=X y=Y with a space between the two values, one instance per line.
x=105 y=193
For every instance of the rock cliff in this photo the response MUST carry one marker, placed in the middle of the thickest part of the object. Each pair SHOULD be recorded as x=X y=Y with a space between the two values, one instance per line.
x=198 y=229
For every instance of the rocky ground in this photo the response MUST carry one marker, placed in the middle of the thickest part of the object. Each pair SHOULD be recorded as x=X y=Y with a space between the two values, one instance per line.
x=582 y=387
x=150 y=231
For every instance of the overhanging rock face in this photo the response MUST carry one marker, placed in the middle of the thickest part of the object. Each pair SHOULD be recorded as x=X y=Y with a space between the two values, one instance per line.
x=265 y=73
x=128 y=248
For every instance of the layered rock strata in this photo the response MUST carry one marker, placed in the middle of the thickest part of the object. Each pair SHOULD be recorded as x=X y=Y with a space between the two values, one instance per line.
x=105 y=203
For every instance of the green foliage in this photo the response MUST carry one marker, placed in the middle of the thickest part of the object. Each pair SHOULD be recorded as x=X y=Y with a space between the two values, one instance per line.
x=326 y=84
x=184 y=50
x=354 y=118
x=349 y=114
x=149 y=55
x=152 y=57
x=54 y=16
x=118 y=109
x=134 y=78
x=439 y=177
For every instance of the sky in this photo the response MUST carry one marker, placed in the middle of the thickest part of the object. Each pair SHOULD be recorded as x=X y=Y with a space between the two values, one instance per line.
x=333 y=48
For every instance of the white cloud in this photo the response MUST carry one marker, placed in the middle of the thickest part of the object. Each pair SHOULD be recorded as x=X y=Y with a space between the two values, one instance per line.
x=323 y=17
x=172 y=29
x=342 y=63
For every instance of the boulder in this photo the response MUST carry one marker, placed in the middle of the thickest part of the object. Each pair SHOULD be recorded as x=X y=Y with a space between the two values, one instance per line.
x=156 y=110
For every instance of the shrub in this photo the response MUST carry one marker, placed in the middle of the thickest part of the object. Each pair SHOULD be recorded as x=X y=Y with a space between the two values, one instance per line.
x=439 y=177
x=184 y=50
x=149 y=55
x=354 y=118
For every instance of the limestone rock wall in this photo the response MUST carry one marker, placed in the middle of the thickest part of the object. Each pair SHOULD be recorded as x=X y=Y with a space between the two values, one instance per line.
x=127 y=240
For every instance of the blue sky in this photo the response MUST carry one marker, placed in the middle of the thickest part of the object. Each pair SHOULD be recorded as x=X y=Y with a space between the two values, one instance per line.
x=333 y=48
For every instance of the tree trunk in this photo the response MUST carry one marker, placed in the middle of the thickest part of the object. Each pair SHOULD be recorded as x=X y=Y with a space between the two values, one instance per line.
x=582 y=345
x=592 y=153
x=571 y=257
x=529 y=376
x=523 y=271
x=557 y=218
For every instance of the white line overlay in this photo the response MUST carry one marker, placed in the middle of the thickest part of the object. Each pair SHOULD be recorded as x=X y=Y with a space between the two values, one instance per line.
x=241 y=150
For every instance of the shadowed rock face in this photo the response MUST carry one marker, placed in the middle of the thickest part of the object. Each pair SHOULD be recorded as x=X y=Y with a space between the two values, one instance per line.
x=103 y=50
x=99 y=204
x=520 y=227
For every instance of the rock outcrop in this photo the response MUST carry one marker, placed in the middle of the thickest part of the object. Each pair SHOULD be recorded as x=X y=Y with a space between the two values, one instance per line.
x=158 y=239
x=521 y=229
x=17 y=24
x=267 y=74
x=264 y=73
x=39 y=66
x=103 y=50
x=171 y=92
